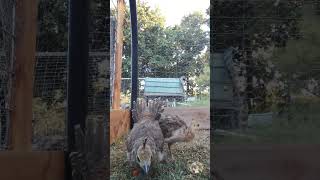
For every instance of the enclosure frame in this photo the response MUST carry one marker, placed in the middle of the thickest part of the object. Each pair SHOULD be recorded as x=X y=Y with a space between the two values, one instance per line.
x=40 y=165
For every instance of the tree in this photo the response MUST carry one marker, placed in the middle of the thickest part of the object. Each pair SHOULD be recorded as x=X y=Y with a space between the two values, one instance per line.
x=255 y=29
x=151 y=39
x=53 y=25
x=166 y=51
x=203 y=80
x=191 y=40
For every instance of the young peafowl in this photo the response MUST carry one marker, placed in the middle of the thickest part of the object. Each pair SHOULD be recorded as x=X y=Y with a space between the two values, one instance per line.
x=175 y=130
x=145 y=142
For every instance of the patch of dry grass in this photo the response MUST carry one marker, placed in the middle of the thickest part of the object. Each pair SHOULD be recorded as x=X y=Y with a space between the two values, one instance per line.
x=49 y=119
x=184 y=153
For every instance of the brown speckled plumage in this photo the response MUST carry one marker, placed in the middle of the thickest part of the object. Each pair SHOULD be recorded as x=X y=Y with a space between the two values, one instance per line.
x=145 y=142
x=175 y=130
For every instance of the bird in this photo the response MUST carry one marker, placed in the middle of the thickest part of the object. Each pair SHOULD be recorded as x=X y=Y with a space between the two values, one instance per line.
x=175 y=130
x=145 y=142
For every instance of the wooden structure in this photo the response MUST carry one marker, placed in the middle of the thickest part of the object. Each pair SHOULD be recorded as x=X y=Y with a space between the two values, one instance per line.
x=166 y=88
x=38 y=165
x=265 y=162
x=118 y=55
x=119 y=119
x=20 y=162
x=119 y=124
x=20 y=133
x=224 y=102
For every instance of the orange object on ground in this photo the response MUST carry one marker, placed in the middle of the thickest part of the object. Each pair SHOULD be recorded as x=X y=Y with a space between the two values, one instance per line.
x=135 y=172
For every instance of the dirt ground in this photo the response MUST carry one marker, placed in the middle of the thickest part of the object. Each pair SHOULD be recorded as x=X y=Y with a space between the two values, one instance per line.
x=186 y=154
x=200 y=115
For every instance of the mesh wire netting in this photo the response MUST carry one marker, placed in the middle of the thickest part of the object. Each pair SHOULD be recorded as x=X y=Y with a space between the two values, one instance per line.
x=50 y=83
x=6 y=60
x=49 y=103
x=269 y=64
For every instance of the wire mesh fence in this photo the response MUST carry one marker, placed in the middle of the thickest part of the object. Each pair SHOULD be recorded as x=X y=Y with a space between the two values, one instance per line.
x=6 y=61
x=265 y=67
x=50 y=83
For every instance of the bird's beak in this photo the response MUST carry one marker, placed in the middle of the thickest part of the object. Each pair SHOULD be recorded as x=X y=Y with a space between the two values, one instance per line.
x=146 y=168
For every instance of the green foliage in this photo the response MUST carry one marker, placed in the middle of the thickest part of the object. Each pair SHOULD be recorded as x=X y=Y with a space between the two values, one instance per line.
x=203 y=80
x=201 y=101
x=299 y=56
x=191 y=40
x=53 y=25
x=249 y=32
x=255 y=29
x=165 y=51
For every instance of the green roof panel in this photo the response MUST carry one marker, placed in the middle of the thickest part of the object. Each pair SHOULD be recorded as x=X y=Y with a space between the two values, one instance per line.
x=163 y=87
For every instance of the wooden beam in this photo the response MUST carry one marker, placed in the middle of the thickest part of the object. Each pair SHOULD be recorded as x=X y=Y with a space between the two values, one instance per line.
x=119 y=124
x=22 y=83
x=118 y=56
x=42 y=165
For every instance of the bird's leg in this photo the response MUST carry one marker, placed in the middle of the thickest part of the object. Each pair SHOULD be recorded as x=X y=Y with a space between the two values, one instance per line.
x=170 y=153
x=173 y=139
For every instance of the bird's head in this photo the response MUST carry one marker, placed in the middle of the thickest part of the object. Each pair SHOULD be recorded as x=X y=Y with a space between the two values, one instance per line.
x=144 y=155
x=189 y=134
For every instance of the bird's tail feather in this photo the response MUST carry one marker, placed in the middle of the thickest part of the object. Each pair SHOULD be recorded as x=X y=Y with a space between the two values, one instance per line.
x=152 y=108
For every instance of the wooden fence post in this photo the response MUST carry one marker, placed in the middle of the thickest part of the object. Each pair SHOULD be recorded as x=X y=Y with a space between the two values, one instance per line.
x=118 y=55
x=20 y=131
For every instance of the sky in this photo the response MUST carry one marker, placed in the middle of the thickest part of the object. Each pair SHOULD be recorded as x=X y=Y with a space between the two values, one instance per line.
x=174 y=10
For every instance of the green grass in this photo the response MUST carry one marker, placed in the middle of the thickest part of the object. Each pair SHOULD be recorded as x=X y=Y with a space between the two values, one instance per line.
x=199 y=102
x=303 y=127
x=184 y=153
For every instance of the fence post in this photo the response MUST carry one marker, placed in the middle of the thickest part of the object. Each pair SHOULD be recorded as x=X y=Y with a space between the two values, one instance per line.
x=20 y=131
x=77 y=86
x=112 y=53
x=134 y=54
x=118 y=56
x=78 y=48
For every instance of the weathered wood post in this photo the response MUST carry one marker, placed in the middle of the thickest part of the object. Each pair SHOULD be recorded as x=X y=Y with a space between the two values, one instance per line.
x=20 y=162
x=20 y=131
x=112 y=55
x=118 y=56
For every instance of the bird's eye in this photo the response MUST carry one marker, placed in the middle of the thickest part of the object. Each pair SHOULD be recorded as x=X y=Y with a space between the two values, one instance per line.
x=138 y=158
